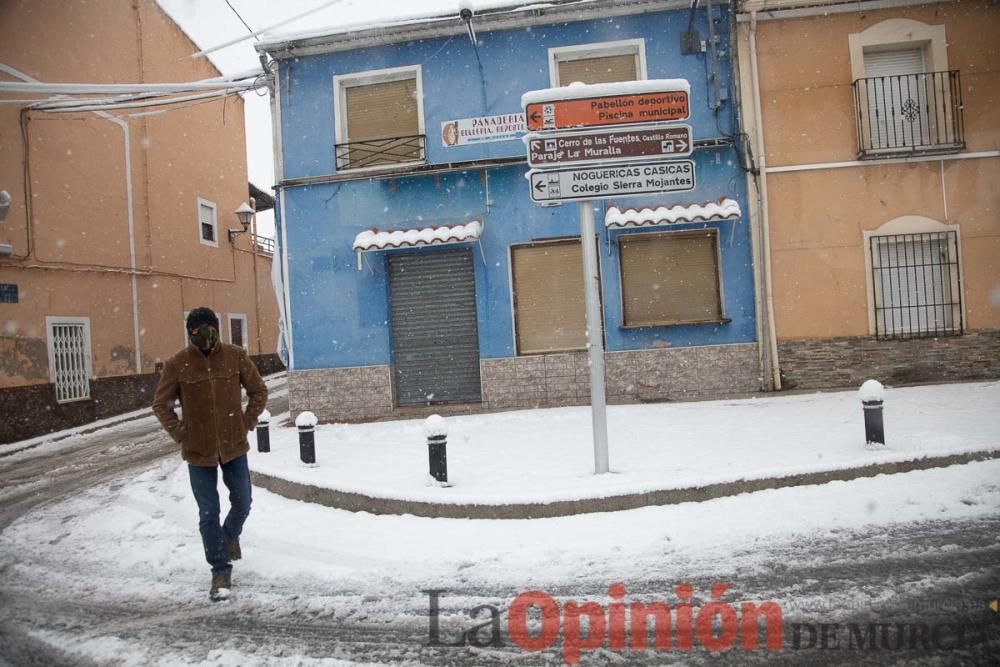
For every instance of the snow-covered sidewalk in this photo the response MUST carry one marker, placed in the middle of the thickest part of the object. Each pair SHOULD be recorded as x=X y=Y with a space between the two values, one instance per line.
x=539 y=456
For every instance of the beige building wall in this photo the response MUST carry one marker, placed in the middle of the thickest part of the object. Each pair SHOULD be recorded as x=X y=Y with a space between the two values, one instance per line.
x=72 y=244
x=821 y=200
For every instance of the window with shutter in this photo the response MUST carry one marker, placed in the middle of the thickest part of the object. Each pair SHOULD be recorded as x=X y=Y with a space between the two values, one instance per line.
x=207 y=223
x=549 y=313
x=380 y=118
x=896 y=90
x=670 y=278
x=606 y=62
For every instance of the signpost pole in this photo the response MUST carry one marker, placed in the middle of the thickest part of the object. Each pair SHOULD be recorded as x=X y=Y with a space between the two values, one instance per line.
x=595 y=337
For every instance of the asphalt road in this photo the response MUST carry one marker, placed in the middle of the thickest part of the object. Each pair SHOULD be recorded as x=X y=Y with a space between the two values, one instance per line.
x=928 y=586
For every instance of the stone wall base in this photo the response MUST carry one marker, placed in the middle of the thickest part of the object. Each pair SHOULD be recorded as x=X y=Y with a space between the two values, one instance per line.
x=360 y=393
x=32 y=410
x=365 y=393
x=551 y=380
x=847 y=362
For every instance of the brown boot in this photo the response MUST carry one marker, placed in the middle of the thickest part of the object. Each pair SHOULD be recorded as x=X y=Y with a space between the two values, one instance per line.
x=221 y=584
x=233 y=546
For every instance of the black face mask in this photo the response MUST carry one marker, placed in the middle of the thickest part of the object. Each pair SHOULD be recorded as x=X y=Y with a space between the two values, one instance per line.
x=205 y=337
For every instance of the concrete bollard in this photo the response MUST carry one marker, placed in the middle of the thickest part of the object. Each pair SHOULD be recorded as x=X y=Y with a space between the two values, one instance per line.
x=872 y=395
x=306 y=423
x=436 y=430
x=263 y=432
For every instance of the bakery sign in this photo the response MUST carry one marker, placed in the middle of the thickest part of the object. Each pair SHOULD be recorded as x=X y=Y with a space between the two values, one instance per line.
x=482 y=129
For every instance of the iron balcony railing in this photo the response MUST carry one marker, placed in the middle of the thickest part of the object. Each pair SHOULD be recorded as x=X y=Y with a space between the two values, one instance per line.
x=378 y=152
x=909 y=114
x=263 y=245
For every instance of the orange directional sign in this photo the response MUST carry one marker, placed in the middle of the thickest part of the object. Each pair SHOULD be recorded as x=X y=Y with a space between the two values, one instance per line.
x=652 y=107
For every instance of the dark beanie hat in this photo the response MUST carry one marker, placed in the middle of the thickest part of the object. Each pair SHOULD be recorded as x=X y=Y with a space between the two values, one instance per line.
x=200 y=316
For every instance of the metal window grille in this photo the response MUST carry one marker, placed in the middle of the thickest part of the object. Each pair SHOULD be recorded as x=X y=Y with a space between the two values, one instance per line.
x=909 y=114
x=71 y=357
x=8 y=293
x=916 y=285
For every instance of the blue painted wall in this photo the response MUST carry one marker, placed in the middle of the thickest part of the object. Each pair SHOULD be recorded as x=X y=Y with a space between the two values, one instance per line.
x=340 y=315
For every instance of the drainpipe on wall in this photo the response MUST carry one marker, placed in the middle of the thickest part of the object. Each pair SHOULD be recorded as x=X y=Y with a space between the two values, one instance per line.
x=765 y=228
x=131 y=234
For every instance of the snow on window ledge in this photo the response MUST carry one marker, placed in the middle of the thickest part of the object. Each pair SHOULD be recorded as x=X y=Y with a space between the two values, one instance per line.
x=727 y=209
x=373 y=239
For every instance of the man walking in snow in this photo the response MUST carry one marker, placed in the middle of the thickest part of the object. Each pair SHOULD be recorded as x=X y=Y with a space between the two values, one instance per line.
x=206 y=377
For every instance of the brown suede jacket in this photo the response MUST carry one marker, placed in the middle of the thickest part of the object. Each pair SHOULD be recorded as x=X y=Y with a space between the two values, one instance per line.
x=214 y=427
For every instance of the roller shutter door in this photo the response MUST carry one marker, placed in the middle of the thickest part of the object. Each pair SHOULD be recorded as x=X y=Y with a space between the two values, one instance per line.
x=435 y=336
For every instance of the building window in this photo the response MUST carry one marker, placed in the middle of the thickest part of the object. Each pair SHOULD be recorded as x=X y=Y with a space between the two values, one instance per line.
x=8 y=293
x=549 y=312
x=605 y=62
x=238 y=329
x=187 y=334
x=670 y=278
x=379 y=118
x=69 y=357
x=916 y=284
x=906 y=99
x=207 y=223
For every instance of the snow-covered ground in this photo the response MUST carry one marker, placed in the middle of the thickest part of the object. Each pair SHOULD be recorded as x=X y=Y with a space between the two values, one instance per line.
x=547 y=455
x=118 y=576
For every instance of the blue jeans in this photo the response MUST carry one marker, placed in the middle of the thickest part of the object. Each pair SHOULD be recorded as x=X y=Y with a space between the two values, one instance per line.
x=204 y=484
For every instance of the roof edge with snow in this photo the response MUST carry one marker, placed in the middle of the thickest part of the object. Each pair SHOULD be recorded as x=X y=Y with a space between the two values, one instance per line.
x=373 y=239
x=352 y=37
x=726 y=209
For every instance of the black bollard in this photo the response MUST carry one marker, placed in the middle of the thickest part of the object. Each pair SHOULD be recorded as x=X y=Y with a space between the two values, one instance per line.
x=306 y=423
x=263 y=432
x=872 y=395
x=874 y=426
x=437 y=454
x=436 y=430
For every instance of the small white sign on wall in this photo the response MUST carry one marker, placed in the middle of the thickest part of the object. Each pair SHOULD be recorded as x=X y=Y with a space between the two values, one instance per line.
x=482 y=129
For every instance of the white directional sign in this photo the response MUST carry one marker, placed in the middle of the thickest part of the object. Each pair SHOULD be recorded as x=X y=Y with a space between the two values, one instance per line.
x=580 y=183
x=608 y=146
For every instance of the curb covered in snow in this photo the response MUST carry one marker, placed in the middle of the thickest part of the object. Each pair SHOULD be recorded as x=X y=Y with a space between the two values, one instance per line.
x=358 y=502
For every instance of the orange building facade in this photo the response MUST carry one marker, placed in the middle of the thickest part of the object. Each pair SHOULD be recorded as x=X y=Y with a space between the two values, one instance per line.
x=875 y=136
x=119 y=222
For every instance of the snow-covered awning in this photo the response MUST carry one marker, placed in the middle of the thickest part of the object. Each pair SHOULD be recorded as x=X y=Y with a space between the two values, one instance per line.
x=726 y=209
x=373 y=239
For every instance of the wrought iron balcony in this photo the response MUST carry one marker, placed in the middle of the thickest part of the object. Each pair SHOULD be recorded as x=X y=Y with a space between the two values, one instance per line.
x=379 y=152
x=909 y=114
x=263 y=245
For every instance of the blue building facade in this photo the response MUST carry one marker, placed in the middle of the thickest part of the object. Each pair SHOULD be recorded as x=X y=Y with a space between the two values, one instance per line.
x=417 y=270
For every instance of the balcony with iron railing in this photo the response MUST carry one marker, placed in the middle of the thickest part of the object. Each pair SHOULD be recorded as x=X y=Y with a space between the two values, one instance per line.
x=380 y=152
x=263 y=245
x=909 y=114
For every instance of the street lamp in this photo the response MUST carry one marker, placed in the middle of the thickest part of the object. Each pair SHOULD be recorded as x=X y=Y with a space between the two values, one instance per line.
x=244 y=213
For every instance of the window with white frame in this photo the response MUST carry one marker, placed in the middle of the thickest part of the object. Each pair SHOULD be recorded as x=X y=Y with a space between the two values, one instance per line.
x=907 y=99
x=208 y=227
x=915 y=279
x=238 y=329
x=187 y=334
x=379 y=118
x=604 y=62
x=670 y=278
x=69 y=357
